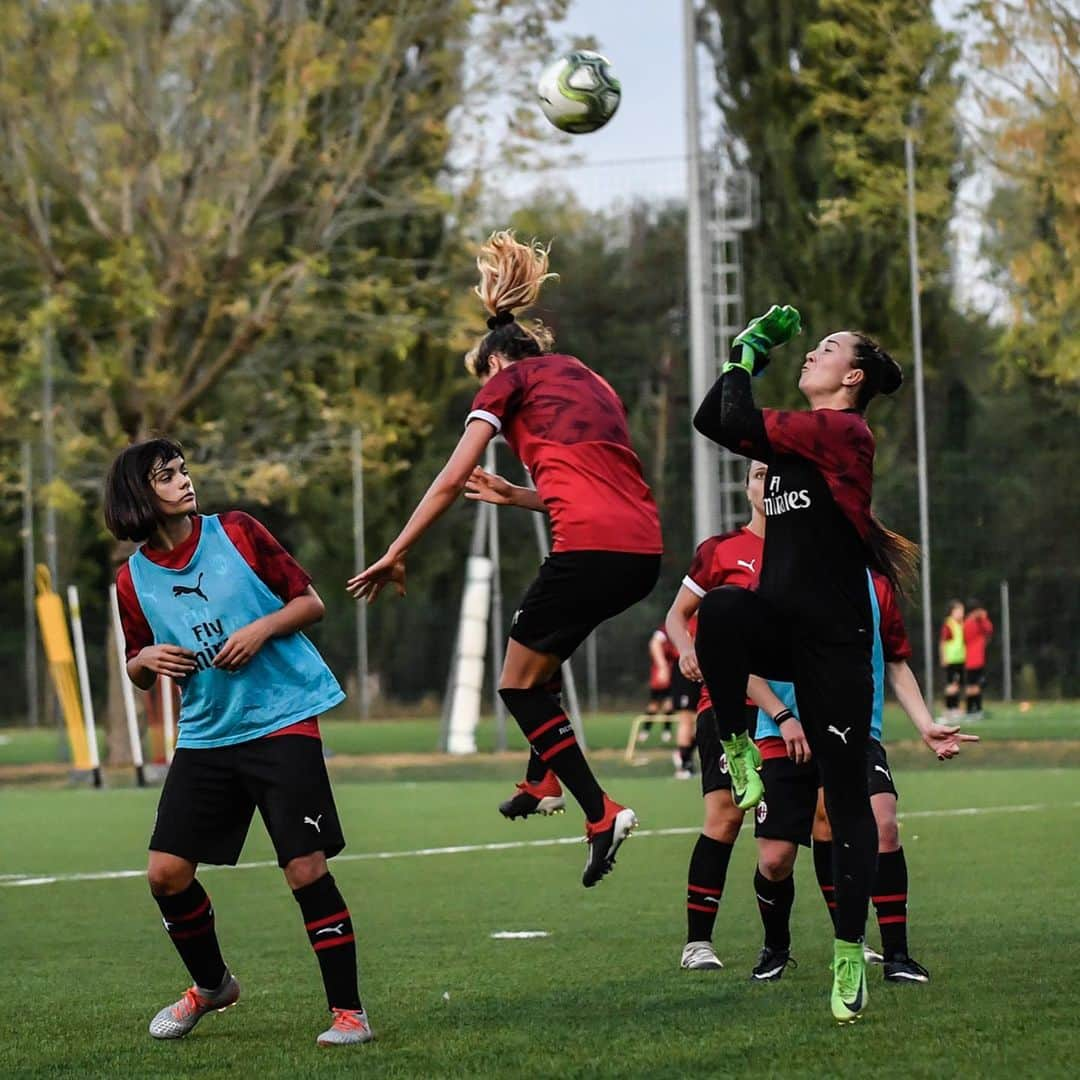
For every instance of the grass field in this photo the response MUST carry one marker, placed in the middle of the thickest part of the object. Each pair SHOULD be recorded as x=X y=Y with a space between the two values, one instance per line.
x=1056 y=720
x=993 y=891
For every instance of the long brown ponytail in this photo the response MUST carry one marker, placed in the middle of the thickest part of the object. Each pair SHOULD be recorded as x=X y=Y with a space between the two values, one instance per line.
x=893 y=555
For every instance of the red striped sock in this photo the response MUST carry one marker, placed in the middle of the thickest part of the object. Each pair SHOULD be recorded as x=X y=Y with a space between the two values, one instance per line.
x=705 y=886
x=330 y=931
x=823 y=870
x=188 y=918
x=890 y=902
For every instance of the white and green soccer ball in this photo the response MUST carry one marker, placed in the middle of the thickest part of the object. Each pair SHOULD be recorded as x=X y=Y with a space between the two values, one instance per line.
x=579 y=93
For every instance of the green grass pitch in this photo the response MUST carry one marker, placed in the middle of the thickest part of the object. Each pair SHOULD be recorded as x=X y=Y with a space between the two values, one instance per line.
x=992 y=915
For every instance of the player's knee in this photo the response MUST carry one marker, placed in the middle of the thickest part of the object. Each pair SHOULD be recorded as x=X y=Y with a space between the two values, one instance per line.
x=722 y=823
x=776 y=861
x=305 y=869
x=888 y=835
x=167 y=877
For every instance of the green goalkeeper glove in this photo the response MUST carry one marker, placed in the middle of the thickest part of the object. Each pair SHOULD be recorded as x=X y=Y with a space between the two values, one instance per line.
x=750 y=349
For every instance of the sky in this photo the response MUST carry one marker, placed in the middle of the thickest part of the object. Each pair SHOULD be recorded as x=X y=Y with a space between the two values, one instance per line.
x=641 y=152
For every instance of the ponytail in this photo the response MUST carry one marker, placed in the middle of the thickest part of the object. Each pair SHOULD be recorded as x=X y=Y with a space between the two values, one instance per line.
x=893 y=555
x=511 y=274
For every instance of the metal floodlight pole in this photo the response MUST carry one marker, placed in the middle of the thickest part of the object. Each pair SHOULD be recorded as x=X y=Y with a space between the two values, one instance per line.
x=360 y=562
x=496 y=608
x=920 y=426
x=705 y=454
x=30 y=612
x=1006 y=645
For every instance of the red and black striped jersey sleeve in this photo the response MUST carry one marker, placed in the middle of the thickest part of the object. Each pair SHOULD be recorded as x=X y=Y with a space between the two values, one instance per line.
x=893 y=633
x=265 y=555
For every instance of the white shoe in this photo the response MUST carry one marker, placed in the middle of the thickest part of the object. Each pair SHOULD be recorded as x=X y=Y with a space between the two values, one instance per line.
x=683 y=774
x=350 y=1026
x=665 y=736
x=700 y=956
x=176 y=1020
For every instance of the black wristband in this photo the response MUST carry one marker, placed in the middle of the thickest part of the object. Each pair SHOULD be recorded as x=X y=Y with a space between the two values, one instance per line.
x=782 y=715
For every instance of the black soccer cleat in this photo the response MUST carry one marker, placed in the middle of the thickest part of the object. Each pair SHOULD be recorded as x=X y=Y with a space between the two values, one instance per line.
x=901 y=969
x=770 y=964
x=545 y=798
x=604 y=838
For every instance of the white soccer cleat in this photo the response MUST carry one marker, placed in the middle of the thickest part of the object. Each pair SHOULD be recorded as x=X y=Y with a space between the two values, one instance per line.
x=350 y=1026
x=700 y=956
x=176 y=1020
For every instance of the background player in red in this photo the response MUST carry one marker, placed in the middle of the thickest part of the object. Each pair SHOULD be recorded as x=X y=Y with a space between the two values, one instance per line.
x=217 y=604
x=731 y=559
x=569 y=428
x=663 y=658
x=978 y=630
x=809 y=619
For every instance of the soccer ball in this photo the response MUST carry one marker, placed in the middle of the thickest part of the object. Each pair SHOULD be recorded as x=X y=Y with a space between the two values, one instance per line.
x=579 y=93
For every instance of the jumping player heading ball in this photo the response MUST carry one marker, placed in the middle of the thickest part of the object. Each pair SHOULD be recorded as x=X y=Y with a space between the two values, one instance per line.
x=569 y=429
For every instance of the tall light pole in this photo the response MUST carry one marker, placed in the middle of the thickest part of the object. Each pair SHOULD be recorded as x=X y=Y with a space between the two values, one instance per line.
x=705 y=454
x=920 y=426
x=359 y=558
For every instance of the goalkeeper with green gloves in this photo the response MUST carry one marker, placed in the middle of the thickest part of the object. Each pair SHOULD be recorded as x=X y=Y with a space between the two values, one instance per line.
x=810 y=621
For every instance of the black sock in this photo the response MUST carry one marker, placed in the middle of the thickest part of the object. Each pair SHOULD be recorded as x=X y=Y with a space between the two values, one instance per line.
x=952 y=701
x=823 y=869
x=667 y=726
x=854 y=866
x=686 y=757
x=552 y=738
x=330 y=931
x=978 y=702
x=774 y=902
x=890 y=902
x=189 y=921
x=972 y=704
x=647 y=726
x=536 y=769
x=705 y=886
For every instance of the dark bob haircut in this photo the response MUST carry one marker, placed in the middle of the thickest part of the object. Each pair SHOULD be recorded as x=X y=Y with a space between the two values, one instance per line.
x=129 y=498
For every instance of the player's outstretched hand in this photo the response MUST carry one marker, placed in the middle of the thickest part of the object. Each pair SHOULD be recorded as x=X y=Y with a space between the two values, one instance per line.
x=389 y=570
x=798 y=749
x=945 y=739
x=688 y=665
x=483 y=486
x=171 y=660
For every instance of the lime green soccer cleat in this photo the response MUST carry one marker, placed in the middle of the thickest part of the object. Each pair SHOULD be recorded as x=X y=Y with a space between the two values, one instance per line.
x=849 y=981
x=743 y=762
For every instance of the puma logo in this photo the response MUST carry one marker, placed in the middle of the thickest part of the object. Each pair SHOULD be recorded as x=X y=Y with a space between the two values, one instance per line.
x=885 y=772
x=196 y=590
x=762 y=900
x=339 y=930
x=749 y=565
x=841 y=735
x=711 y=899
x=314 y=823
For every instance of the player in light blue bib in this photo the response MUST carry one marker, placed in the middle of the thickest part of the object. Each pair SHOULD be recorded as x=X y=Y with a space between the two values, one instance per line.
x=217 y=604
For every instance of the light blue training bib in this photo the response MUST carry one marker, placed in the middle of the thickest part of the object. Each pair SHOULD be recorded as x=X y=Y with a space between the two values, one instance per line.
x=197 y=608
x=785 y=691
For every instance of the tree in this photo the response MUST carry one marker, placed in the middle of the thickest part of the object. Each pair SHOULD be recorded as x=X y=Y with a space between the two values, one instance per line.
x=1028 y=98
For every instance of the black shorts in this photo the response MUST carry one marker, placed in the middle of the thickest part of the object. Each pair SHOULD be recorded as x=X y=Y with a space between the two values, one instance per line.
x=714 y=770
x=209 y=797
x=975 y=676
x=954 y=673
x=878 y=774
x=787 y=810
x=684 y=692
x=574 y=592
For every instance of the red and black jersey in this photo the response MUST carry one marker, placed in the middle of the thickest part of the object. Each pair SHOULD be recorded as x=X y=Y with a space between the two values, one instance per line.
x=282 y=574
x=733 y=558
x=817 y=503
x=568 y=427
x=978 y=629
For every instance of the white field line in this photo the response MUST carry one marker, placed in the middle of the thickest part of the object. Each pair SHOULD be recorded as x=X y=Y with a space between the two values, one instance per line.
x=17 y=880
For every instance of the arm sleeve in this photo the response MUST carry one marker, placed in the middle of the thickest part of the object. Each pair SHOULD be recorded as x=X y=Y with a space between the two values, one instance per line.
x=729 y=417
x=282 y=574
x=699 y=578
x=137 y=632
x=498 y=399
x=894 y=639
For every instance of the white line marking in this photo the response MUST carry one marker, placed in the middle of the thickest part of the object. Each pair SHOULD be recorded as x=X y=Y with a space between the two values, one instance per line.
x=16 y=880
x=518 y=935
